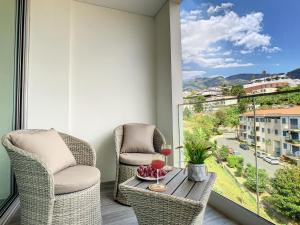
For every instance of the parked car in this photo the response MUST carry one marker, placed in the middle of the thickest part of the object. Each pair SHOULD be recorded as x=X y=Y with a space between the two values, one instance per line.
x=244 y=146
x=267 y=159
x=274 y=160
x=260 y=154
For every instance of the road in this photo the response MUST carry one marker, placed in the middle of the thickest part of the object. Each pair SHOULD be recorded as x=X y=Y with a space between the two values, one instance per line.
x=228 y=139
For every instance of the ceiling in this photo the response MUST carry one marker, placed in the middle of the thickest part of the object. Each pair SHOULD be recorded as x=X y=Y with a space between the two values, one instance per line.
x=143 y=7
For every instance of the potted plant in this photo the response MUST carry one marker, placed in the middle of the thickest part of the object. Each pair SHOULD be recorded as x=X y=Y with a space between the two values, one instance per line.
x=197 y=150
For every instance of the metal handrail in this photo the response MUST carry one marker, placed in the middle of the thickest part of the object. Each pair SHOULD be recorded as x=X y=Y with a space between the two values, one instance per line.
x=238 y=97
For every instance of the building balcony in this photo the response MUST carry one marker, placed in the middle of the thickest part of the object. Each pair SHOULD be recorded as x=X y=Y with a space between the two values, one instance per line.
x=293 y=127
x=292 y=141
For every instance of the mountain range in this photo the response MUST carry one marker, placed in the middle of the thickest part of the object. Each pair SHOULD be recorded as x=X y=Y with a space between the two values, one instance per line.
x=243 y=78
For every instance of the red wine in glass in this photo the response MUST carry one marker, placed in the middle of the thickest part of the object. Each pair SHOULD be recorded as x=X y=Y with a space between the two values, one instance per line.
x=157 y=164
x=166 y=150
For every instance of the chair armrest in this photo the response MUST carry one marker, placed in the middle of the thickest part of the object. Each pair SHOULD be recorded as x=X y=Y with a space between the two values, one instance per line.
x=158 y=140
x=118 y=133
x=83 y=152
x=32 y=174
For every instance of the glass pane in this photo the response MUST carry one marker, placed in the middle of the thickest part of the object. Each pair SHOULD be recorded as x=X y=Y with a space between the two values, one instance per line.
x=218 y=122
x=257 y=155
x=278 y=156
x=7 y=37
x=240 y=48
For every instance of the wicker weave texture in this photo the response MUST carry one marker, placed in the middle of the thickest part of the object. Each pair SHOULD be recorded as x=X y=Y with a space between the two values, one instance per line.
x=39 y=204
x=124 y=172
x=152 y=208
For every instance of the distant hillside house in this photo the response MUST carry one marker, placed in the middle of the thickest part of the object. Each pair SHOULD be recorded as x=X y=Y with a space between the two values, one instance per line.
x=215 y=103
x=269 y=84
x=277 y=130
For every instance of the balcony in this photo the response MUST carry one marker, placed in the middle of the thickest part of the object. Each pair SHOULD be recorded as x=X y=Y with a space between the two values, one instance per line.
x=293 y=127
x=91 y=65
x=292 y=141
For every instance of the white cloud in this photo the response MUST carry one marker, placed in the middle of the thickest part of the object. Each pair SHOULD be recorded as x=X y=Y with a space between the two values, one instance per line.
x=219 y=8
x=192 y=74
x=246 y=51
x=192 y=15
x=200 y=37
x=271 y=50
x=234 y=64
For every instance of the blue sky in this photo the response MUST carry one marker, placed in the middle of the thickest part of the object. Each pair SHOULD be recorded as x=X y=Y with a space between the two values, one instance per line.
x=239 y=36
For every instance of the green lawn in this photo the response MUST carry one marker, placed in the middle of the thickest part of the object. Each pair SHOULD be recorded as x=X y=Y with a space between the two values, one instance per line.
x=227 y=186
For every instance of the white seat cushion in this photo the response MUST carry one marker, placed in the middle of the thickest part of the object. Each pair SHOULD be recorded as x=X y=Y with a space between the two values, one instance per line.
x=48 y=146
x=137 y=159
x=75 y=178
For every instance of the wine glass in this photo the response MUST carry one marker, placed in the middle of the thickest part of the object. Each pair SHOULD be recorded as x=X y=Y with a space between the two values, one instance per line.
x=166 y=150
x=157 y=164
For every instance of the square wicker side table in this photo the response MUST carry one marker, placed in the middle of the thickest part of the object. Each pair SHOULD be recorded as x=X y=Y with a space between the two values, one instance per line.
x=183 y=203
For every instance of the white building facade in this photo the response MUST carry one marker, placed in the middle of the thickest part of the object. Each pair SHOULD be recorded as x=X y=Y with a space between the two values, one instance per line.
x=277 y=130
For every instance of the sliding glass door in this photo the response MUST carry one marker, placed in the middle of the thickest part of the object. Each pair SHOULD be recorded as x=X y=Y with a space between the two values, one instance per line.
x=11 y=79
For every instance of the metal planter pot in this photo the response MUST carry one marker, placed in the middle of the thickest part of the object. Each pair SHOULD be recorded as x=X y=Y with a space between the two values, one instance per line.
x=197 y=172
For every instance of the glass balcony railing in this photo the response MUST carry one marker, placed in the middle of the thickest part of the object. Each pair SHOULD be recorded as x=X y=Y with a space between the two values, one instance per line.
x=292 y=140
x=256 y=159
x=294 y=126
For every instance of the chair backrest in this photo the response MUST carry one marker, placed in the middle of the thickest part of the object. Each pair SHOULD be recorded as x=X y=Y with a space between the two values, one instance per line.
x=158 y=138
x=47 y=145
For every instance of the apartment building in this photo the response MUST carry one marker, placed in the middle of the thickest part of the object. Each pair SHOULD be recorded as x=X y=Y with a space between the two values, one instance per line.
x=277 y=130
x=269 y=84
x=213 y=104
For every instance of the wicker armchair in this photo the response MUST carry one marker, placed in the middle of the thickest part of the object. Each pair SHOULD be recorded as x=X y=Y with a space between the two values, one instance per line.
x=39 y=203
x=125 y=171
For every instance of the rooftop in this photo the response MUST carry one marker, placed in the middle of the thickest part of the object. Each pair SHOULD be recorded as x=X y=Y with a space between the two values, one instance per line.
x=295 y=110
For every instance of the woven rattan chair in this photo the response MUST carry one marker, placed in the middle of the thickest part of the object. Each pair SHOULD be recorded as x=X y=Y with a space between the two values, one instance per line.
x=124 y=171
x=39 y=204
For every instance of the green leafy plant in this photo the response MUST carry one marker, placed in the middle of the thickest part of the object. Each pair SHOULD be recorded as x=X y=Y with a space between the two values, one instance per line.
x=239 y=170
x=234 y=161
x=224 y=153
x=197 y=148
x=285 y=192
x=250 y=175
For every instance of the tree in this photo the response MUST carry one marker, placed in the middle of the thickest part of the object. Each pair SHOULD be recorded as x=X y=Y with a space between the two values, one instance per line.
x=220 y=117
x=234 y=161
x=223 y=153
x=237 y=90
x=206 y=123
x=285 y=192
x=232 y=118
x=250 y=175
x=198 y=106
x=187 y=114
x=225 y=90
x=243 y=104
x=239 y=170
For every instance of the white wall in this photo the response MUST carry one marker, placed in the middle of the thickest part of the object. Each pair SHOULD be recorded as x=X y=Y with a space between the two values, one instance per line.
x=113 y=76
x=48 y=64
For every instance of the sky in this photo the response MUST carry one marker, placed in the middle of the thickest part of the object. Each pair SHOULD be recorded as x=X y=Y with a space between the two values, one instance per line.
x=239 y=36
